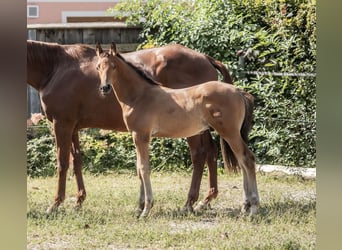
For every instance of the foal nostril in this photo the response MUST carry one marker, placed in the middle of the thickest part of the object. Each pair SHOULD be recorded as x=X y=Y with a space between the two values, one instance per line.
x=105 y=89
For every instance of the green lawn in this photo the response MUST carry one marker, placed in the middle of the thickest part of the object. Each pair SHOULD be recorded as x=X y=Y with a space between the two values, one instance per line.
x=286 y=218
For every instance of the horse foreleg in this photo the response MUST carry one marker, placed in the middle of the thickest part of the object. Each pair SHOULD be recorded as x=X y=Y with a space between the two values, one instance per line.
x=63 y=144
x=198 y=156
x=211 y=159
x=77 y=168
x=141 y=143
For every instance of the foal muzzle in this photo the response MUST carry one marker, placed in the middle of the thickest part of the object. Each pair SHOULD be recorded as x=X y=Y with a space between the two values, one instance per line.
x=105 y=89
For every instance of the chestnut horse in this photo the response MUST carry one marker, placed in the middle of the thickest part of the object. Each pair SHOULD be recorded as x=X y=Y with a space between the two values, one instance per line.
x=152 y=110
x=67 y=81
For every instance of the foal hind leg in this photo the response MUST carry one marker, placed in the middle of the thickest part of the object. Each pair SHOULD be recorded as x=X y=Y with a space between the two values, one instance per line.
x=77 y=168
x=211 y=159
x=246 y=161
x=63 y=145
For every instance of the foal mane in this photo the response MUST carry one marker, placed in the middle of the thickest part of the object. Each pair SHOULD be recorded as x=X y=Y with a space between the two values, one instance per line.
x=140 y=71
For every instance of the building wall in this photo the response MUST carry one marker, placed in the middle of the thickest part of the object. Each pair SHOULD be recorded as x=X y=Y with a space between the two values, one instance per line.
x=54 y=11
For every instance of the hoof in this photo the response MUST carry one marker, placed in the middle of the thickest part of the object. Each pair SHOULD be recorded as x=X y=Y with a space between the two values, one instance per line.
x=249 y=209
x=253 y=210
x=186 y=210
x=201 y=206
x=77 y=206
x=144 y=214
x=52 y=209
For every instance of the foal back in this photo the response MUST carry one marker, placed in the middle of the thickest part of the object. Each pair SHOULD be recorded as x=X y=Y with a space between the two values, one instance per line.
x=189 y=111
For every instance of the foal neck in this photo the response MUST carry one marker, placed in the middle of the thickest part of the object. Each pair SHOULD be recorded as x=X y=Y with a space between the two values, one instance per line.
x=129 y=82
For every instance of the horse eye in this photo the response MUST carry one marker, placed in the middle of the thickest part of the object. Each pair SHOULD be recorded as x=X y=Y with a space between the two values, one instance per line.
x=98 y=67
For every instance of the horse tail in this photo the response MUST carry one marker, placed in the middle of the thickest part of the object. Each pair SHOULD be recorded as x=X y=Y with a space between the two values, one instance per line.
x=229 y=159
x=222 y=68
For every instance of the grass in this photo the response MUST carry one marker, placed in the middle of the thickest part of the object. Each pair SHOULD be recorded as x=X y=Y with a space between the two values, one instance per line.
x=286 y=218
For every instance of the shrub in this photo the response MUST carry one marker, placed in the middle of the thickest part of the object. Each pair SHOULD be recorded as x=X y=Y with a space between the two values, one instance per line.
x=104 y=151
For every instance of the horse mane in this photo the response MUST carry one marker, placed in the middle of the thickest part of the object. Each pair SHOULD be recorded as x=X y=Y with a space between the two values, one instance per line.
x=53 y=53
x=143 y=73
x=42 y=53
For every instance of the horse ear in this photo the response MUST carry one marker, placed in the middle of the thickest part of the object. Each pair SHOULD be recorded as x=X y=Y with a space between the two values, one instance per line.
x=99 y=49
x=113 y=50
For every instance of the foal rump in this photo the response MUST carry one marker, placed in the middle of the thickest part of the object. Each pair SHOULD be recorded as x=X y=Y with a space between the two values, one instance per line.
x=230 y=162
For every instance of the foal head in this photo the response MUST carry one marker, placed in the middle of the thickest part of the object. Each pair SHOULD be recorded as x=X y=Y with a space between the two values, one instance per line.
x=105 y=67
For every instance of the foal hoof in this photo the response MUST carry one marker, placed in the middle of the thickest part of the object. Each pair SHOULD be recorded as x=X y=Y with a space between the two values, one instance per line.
x=249 y=209
x=143 y=215
x=253 y=210
x=201 y=206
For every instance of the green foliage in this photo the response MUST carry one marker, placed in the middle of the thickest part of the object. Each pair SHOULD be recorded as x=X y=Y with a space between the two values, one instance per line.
x=105 y=151
x=275 y=36
x=41 y=156
x=41 y=150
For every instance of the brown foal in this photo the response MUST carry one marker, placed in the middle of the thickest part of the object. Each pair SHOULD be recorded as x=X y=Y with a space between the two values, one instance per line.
x=151 y=110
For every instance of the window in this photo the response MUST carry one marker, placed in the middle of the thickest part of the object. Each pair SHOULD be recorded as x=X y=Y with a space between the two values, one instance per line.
x=32 y=11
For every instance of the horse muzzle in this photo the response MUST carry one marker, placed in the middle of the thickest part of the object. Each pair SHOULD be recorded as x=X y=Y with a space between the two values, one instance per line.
x=105 y=89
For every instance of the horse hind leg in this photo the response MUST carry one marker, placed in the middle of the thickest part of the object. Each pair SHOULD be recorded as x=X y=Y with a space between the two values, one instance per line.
x=211 y=159
x=246 y=161
x=198 y=154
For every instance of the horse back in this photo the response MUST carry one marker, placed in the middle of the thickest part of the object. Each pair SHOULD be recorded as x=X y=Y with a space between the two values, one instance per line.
x=174 y=65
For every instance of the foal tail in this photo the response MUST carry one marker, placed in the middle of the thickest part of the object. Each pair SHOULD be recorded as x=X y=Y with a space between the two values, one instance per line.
x=222 y=68
x=229 y=159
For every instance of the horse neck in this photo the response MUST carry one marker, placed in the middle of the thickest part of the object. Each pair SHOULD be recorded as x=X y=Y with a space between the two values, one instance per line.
x=127 y=83
x=35 y=77
x=42 y=59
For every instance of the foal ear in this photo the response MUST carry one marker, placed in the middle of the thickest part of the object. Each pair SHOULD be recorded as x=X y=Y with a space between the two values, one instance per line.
x=113 y=50
x=99 y=49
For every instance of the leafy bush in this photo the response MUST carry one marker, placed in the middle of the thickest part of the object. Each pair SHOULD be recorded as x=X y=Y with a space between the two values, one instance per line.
x=269 y=36
x=41 y=150
x=104 y=151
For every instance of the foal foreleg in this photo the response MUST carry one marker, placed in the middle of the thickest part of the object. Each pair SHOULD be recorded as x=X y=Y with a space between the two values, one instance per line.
x=143 y=168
